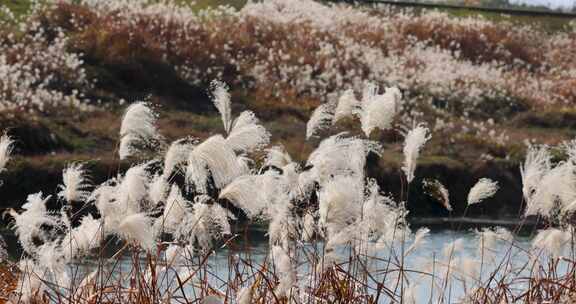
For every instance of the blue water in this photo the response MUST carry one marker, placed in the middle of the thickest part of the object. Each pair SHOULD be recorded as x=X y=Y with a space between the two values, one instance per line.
x=427 y=258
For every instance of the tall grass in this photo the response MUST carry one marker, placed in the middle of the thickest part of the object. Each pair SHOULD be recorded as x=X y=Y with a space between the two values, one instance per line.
x=309 y=51
x=464 y=76
x=333 y=235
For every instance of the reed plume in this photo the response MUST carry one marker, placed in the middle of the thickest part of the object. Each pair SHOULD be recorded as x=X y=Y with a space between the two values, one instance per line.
x=415 y=139
x=482 y=190
x=138 y=129
x=6 y=148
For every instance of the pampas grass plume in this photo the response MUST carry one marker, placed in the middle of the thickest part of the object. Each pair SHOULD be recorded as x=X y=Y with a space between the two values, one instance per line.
x=6 y=147
x=222 y=102
x=137 y=228
x=482 y=190
x=138 y=128
x=75 y=184
x=415 y=139
x=320 y=119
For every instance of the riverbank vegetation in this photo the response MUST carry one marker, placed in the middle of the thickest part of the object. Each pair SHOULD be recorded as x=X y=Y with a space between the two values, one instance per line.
x=333 y=234
x=346 y=122
x=70 y=68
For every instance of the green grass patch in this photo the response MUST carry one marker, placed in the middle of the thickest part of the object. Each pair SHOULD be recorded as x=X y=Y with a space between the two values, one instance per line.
x=18 y=7
x=204 y=4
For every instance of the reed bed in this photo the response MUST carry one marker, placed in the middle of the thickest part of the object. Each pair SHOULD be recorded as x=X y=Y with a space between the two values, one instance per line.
x=296 y=52
x=465 y=76
x=333 y=234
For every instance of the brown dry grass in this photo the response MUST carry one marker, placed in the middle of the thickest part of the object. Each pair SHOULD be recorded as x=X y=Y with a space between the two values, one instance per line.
x=142 y=48
x=8 y=282
x=495 y=42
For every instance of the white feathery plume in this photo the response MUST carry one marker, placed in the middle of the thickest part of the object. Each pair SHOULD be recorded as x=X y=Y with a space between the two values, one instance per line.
x=277 y=157
x=552 y=241
x=218 y=157
x=28 y=223
x=437 y=190
x=290 y=182
x=482 y=190
x=347 y=106
x=536 y=165
x=320 y=119
x=415 y=139
x=6 y=147
x=252 y=193
x=50 y=257
x=568 y=190
x=546 y=187
x=35 y=203
x=340 y=202
x=138 y=228
x=544 y=197
x=306 y=182
x=139 y=119
x=347 y=235
x=220 y=220
x=83 y=238
x=206 y=223
x=308 y=227
x=105 y=200
x=197 y=173
x=556 y=189
x=339 y=155
x=570 y=148
x=138 y=128
x=132 y=191
x=174 y=211
x=374 y=206
x=247 y=135
x=245 y=119
x=75 y=184
x=222 y=102
x=286 y=273
x=126 y=147
x=378 y=111
x=158 y=189
x=242 y=192
x=382 y=219
x=244 y=164
x=282 y=227
x=176 y=155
